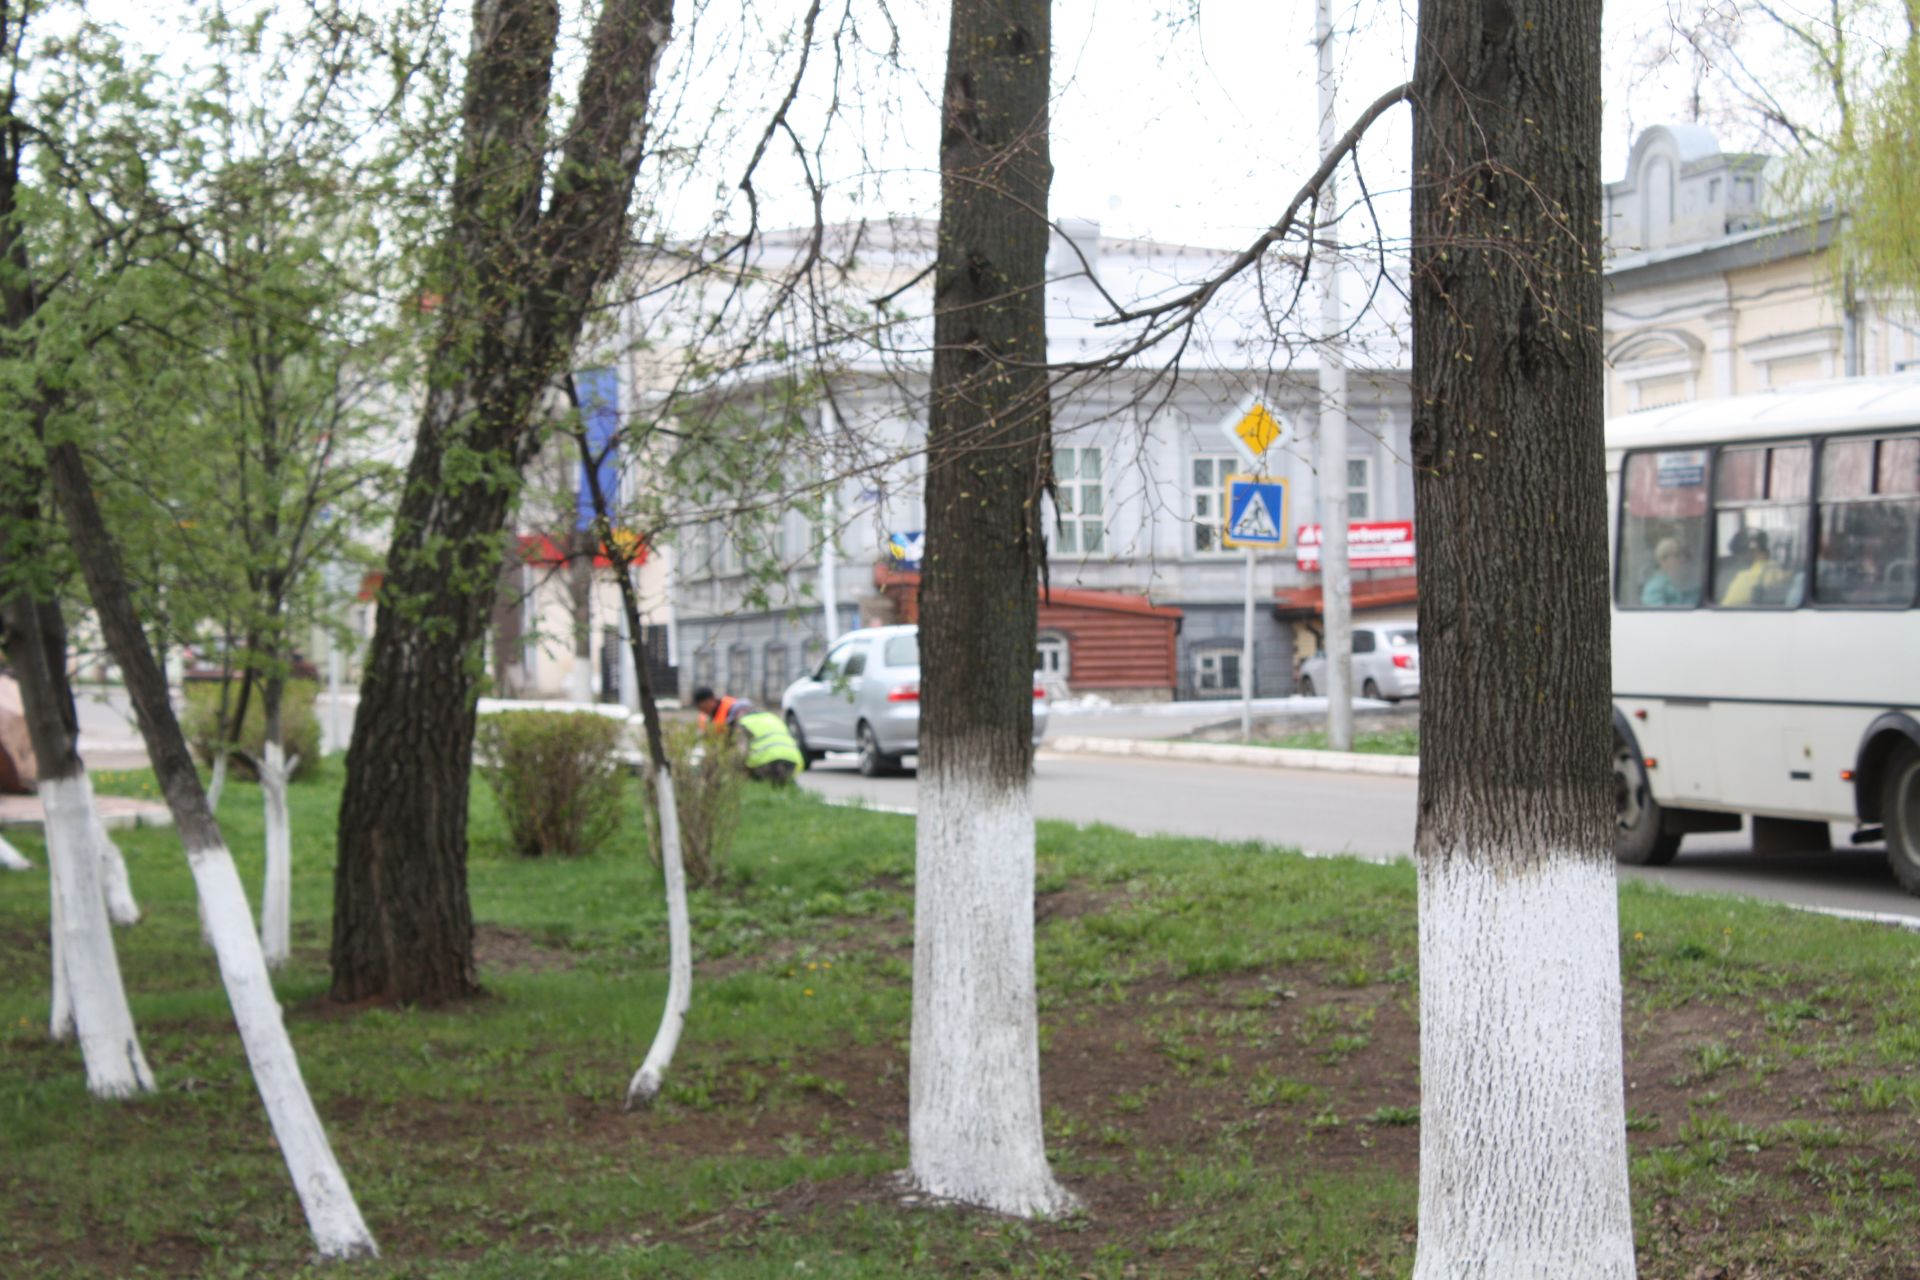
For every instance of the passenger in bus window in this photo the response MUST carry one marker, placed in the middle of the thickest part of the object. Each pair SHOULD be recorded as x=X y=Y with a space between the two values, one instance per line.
x=1758 y=580
x=1675 y=582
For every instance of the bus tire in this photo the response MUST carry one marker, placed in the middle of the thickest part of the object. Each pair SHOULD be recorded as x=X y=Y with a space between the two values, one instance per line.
x=1900 y=815
x=1637 y=835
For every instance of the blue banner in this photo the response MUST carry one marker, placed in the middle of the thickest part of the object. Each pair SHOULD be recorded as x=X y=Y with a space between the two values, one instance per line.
x=600 y=411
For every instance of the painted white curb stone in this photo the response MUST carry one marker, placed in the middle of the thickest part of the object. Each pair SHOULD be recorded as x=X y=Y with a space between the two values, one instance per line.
x=1230 y=753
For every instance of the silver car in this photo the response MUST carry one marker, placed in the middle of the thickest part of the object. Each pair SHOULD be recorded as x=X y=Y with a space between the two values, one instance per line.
x=1386 y=664
x=865 y=697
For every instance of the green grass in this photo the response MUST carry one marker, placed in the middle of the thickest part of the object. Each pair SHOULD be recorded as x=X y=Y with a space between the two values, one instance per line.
x=1387 y=742
x=1229 y=1040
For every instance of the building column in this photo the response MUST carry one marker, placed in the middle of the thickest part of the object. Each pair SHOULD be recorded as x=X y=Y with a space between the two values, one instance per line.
x=1720 y=353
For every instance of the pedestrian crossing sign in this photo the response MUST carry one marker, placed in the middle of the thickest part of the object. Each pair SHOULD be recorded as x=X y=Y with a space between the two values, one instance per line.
x=1256 y=512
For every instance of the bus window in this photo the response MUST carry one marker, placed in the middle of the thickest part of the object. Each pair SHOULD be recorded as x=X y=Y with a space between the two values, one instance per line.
x=1869 y=515
x=1663 y=527
x=1760 y=525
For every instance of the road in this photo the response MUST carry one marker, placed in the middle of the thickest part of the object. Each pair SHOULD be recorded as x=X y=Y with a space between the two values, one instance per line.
x=1370 y=817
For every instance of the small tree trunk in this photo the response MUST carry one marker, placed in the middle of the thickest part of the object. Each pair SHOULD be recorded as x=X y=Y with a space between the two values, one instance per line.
x=121 y=906
x=1523 y=1156
x=88 y=996
x=218 y=783
x=974 y=1122
x=276 y=897
x=11 y=859
x=645 y=1085
x=332 y=1216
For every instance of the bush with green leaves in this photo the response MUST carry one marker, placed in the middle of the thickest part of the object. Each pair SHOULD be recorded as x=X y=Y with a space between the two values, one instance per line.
x=558 y=778
x=299 y=726
x=709 y=783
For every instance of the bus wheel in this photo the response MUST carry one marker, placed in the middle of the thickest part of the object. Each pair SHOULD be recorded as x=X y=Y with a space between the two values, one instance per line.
x=1900 y=813
x=1637 y=837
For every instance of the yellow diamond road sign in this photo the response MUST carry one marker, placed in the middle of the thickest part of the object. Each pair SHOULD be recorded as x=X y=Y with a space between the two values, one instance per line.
x=1258 y=429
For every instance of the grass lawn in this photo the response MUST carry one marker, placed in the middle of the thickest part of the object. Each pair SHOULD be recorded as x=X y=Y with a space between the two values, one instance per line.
x=1387 y=742
x=1230 y=1067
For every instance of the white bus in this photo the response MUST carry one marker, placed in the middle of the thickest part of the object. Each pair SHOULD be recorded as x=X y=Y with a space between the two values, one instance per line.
x=1766 y=640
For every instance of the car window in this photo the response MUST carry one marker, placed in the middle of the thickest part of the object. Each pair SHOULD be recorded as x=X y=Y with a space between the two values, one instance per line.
x=836 y=657
x=1363 y=642
x=856 y=662
x=1403 y=639
x=903 y=651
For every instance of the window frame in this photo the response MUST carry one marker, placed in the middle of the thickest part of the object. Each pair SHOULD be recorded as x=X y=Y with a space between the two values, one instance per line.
x=1366 y=488
x=1218 y=653
x=1075 y=485
x=1817 y=441
x=1223 y=465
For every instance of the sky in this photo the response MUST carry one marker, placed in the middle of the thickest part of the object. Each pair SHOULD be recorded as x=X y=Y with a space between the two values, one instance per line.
x=1189 y=121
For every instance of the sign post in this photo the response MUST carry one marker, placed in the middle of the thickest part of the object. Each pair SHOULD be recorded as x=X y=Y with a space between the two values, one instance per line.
x=1256 y=509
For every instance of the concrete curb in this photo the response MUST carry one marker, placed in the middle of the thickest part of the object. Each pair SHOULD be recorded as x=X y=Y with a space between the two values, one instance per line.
x=1228 y=753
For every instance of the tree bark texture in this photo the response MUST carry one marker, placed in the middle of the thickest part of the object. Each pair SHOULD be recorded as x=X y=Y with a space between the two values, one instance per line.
x=1523 y=1139
x=89 y=997
x=333 y=1217
x=974 y=1128
x=518 y=280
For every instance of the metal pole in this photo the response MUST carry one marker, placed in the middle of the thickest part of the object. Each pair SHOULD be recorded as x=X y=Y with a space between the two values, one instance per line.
x=1246 y=660
x=1336 y=586
x=830 y=569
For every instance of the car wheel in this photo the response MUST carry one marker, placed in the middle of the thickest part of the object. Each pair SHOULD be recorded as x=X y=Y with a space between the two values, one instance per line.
x=1900 y=815
x=1306 y=686
x=1371 y=689
x=800 y=741
x=1637 y=837
x=874 y=763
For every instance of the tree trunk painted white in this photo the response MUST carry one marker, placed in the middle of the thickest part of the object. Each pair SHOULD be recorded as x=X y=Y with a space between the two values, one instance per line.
x=60 y=1012
x=1524 y=1174
x=332 y=1215
x=218 y=783
x=121 y=907
x=11 y=859
x=974 y=1122
x=645 y=1084
x=276 y=898
x=84 y=952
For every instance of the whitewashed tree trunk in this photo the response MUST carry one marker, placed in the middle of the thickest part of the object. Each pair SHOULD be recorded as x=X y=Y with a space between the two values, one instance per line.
x=217 y=785
x=276 y=898
x=11 y=859
x=1521 y=967
x=60 y=1011
x=84 y=951
x=334 y=1218
x=974 y=1121
x=645 y=1084
x=121 y=907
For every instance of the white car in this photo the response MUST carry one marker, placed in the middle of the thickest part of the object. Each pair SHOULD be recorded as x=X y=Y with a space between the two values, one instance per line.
x=1386 y=664
x=865 y=696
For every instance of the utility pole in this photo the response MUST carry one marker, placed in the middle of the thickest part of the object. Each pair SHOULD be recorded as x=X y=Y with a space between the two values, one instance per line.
x=1336 y=585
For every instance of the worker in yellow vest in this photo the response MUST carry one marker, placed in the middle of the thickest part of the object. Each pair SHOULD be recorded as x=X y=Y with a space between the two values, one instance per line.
x=772 y=754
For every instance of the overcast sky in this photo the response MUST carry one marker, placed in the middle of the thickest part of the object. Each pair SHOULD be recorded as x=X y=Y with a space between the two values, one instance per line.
x=1192 y=128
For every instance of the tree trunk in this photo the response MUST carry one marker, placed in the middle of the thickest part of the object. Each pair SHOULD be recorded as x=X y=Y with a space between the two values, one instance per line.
x=276 y=771
x=89 y=997
x=974 y=1123
x=1523 y=1162
x=519 y=281
x=645 y=1085
x=332 y=1216
x=11 y=859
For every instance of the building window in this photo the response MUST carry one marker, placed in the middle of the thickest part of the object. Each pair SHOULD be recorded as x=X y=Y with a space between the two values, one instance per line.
x=1081 y=502
x=1359 y=488
x=1209 y=492
x=703 y=664
x=775 y=667
x=1050 y=658
x=1216 y=671
x=739 y=670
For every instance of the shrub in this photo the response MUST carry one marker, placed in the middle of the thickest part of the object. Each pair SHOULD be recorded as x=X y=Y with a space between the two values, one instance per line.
x=709 y=782
x=557 y=775
x=299 y=727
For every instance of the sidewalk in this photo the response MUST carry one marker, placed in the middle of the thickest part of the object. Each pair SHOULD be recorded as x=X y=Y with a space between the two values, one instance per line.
x=1233 y=753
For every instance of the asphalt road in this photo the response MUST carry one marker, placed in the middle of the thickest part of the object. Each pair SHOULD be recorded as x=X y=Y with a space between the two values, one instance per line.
x=1371 y=817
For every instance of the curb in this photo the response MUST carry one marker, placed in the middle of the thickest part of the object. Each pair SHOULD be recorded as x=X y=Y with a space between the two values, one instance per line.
x=1228 y=753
